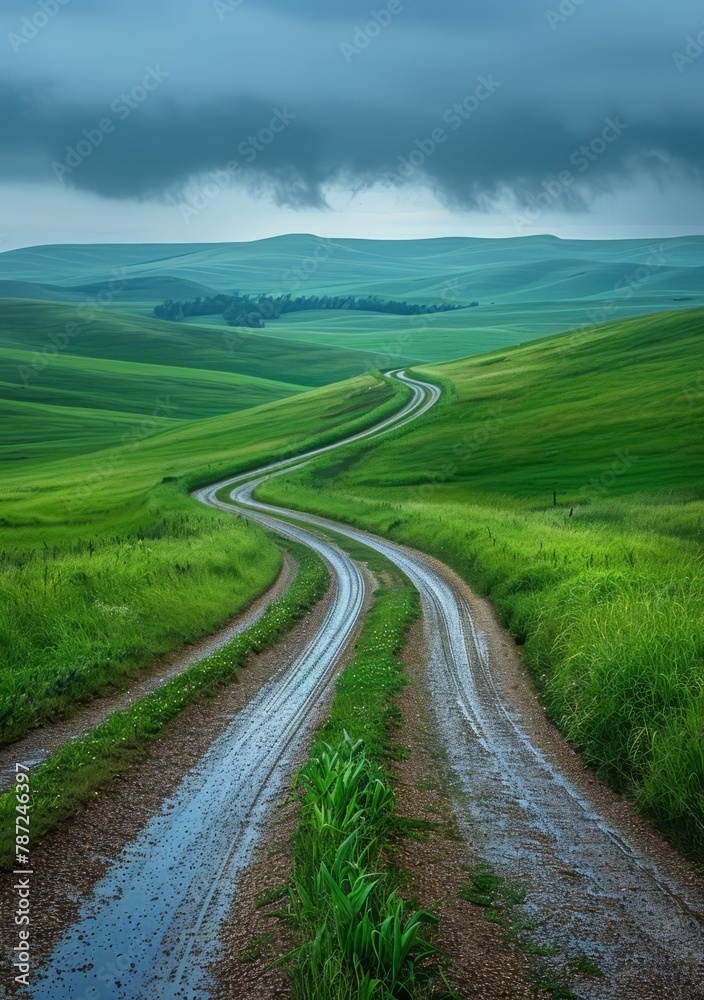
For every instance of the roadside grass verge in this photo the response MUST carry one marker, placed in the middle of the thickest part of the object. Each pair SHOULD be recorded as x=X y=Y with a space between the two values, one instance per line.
x=357 y=937
x=81 y=618
x=73 y=775
x=360 y=939
x=106 y=562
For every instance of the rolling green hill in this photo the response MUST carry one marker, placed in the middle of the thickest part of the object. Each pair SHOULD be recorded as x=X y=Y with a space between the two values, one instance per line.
x=553 y=414
x=123 y=290
x=106 y=560
x=605 y=587
x=75 y=379
x=96 y=333
x=527 y=287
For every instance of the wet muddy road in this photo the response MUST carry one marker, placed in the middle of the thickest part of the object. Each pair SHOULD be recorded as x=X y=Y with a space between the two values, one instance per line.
x=150 y=926
x=600 y=883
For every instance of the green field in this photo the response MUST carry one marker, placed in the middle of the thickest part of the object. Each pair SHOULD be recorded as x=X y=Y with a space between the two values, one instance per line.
x=605 y=588
x=110 y=416
x=74 y=379
x=106 y=560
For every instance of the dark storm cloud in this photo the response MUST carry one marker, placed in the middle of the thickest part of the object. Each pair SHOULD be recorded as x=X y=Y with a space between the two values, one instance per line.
x=471 y=100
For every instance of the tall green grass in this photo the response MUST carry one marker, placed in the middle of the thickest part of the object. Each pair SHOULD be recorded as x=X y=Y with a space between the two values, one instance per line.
x=79 y=618
x=605 y=590
x=360 y=939
x=64 y=783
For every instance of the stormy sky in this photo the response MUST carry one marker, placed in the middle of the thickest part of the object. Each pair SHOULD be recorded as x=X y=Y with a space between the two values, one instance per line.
x=190 y=120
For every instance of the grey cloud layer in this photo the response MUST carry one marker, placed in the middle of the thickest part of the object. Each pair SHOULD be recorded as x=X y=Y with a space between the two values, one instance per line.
x=370 y=105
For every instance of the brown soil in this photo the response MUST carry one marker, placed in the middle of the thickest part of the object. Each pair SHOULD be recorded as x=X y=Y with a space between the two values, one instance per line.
x=481 y=963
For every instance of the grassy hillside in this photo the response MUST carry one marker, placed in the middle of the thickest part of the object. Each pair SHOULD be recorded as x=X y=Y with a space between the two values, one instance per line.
x=51 y=328
x=557 y=412
x=39 y=432
x=74 y=379
x=527 y=287
x=606 y=588
x=118 y=290
x=106 y=560
x=70 y=404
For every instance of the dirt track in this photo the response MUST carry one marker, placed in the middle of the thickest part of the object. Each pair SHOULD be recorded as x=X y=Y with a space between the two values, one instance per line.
x=600 y=883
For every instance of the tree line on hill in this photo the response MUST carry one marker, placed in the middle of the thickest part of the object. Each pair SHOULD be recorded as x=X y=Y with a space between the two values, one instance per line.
x=255 y=310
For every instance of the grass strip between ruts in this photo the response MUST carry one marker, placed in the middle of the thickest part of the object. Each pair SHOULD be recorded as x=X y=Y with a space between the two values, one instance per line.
x=357 y=938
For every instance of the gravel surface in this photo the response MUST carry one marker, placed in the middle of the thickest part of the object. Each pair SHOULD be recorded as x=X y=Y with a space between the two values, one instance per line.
x=481 y=963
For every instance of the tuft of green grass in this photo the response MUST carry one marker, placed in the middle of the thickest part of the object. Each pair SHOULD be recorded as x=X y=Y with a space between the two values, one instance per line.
x=584 y=966
x=502 y=902
x=359 y=938
x=253 y=951
x=498 y=898
x=270 y=896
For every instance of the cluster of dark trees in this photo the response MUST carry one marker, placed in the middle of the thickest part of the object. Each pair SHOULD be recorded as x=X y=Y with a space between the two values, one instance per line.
x=255 y=310
x=198 y=307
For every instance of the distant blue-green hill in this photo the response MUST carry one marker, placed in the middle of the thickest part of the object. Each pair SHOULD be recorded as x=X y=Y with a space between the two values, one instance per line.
x=526 y=286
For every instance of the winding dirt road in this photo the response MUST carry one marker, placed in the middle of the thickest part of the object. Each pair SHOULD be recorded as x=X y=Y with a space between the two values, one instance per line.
x=150 y=927
x=600 y=882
